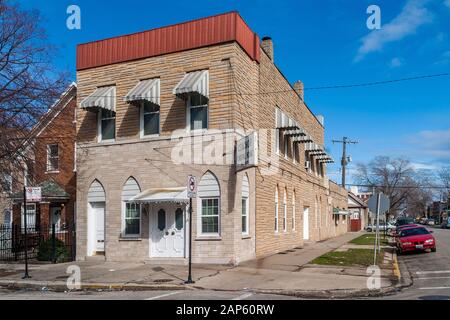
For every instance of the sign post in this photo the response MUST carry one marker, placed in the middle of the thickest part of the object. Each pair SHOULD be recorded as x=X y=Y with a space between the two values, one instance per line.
x=191 y=193
x=379 y=204
x=33 y=195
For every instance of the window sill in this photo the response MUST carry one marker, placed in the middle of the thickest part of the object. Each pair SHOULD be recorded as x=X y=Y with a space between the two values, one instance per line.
x=246 y=236
x=106 y=142
x=52 y=172
x=150 y=136
x=208 y=238
x=130 y=238
x=196 y=132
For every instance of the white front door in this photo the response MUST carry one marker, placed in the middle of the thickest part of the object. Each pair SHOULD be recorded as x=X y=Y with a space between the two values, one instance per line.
x=306 y=224
x=96 y=226
x=167 y=231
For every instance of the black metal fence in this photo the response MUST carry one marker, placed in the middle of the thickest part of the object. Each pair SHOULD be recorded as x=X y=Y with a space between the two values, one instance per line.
x=44 y=243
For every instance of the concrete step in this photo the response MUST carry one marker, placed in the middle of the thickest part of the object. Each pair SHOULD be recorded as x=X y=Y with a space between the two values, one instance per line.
x=167 y=261
x=96 y=258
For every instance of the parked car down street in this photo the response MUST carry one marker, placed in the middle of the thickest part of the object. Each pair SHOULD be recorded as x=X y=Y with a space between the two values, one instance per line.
x=415 y=239
x=382 y=227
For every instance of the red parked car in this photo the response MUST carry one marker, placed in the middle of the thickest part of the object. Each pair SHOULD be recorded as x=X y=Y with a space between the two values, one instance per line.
x=415 y=238
x=404 y=226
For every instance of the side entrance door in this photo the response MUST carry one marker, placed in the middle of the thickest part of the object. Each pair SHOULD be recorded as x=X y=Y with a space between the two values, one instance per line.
x=167 y=231
x=96 y=222
x=306 y=224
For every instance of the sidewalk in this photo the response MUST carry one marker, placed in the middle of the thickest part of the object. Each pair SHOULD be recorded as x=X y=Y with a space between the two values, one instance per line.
x=290 y=273
x=283 y=273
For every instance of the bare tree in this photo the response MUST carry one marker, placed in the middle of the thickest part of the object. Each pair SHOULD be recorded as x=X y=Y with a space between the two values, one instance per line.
x=393 y=177
x=444 y=177
x=28 y=82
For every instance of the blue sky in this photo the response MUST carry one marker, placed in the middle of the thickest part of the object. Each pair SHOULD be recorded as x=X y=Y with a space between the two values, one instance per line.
x=321 y=43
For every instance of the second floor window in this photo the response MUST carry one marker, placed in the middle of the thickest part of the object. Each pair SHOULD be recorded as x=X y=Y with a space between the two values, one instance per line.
x=107 y=125
x=197 y=112
x=149 y=119
x=52 y=157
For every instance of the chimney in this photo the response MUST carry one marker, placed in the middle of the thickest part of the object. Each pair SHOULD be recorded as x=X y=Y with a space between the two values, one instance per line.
x=298 y=86
x=267 y=46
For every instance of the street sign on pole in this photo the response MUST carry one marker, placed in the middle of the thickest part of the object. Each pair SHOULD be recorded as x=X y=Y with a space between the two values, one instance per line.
x=379 y=204
x=384 y=203
x=33 y=194
x=191 y=187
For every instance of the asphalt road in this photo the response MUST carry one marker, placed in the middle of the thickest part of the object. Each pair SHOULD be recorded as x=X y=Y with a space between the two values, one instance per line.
x=430 y=271
x=138 y=295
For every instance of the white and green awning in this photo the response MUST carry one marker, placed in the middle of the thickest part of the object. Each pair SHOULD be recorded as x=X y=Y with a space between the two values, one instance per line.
x=193 y=82
x=145 y=90
x=102 y=97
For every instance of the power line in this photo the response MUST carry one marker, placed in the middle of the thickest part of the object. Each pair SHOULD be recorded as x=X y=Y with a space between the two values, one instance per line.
x=366 y=84
x=396 y=187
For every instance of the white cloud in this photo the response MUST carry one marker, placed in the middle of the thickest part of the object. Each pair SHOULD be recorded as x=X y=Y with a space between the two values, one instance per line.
x=424 y=166
x=413 y=15
x=433 y=143
x=396 y=62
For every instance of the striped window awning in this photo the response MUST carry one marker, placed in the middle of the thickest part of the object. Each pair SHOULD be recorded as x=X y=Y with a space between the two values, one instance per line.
x=145 y=90
x=298 y=132
x=193 y=82
x=340 y=212
x=284 y=121
x=302 y=139
x=314 y=149
x=103 y=97
x=326 y=159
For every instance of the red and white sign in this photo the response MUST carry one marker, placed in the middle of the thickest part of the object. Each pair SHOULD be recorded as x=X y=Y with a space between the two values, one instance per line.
x=33 y=194
x=192 y=187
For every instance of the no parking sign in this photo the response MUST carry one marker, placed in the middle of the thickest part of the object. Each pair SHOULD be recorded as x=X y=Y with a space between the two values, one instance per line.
x=192 y=187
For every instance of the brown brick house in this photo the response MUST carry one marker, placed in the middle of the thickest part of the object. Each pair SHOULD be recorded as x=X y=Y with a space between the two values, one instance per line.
x=191 y=99
x=51 y=166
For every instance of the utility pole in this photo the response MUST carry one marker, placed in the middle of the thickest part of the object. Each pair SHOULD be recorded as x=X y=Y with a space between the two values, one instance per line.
x=345 y=160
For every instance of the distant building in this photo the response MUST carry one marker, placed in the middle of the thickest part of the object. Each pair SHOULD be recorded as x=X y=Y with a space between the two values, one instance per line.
x=364 y=196
x=439 y=210
x=359 y=212
x=50 y=165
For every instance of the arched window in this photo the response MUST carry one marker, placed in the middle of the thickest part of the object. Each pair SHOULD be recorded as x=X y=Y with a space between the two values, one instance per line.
x=316 y=212
x=245 y=204
x=7 y=219
x=276 y=209
x=293 y=212
x=320 y=213
x=285 y=210
x=131 y=211
x=209 y=205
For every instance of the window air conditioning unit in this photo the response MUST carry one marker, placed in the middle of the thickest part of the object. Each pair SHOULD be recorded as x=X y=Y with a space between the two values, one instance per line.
x=307 y=165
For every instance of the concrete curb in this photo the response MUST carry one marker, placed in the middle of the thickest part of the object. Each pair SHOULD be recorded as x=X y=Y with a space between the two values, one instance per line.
x=61 y=286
